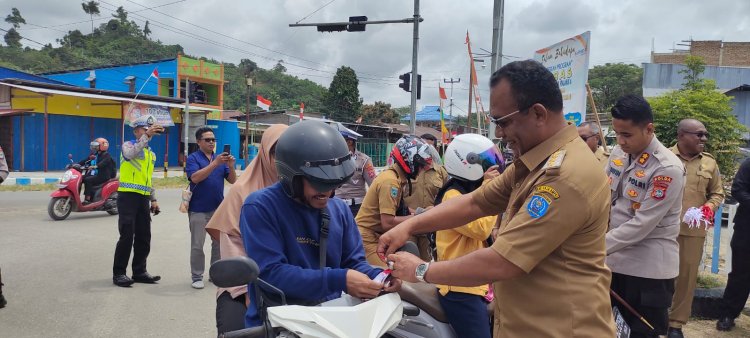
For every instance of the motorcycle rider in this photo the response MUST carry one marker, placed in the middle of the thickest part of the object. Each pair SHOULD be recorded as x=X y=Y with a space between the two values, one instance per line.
x=305 y=242
x=471 y=161
x=354 y=190
x=102 y=167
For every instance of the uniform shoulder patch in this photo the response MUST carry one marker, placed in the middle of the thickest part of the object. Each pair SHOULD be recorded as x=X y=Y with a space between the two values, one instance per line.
x=538 y=206
x=644 y=159
x=549 y=190
x=555 y=160
x=394 y=192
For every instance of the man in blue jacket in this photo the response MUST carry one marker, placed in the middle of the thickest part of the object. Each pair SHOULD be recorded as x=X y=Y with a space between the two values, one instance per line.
x=284 y=226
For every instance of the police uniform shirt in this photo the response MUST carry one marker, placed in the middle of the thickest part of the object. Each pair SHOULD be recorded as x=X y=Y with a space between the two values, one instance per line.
x=556 y=204
x=364 y=173
x=702 y=185
x=646 y=207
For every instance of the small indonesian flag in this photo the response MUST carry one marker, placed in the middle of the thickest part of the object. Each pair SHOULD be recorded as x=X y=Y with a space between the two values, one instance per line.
x=697 y=217
x=301 y=110
x=155 y=73
x=263 y=103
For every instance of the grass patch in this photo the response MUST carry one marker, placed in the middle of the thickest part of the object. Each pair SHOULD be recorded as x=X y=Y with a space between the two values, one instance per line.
x=170 y=182
x=707 y=281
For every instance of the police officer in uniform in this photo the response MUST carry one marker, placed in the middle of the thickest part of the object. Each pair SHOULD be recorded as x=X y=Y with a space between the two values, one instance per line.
x=3 y=175
x=384 y=206
x=354 y=190
x=646 y=180
x=547 y=263
x=134 y=195
x=703 y=187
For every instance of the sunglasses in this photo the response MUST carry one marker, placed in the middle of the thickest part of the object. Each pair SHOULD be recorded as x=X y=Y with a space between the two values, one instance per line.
x=504 y=121
x=209 y=140
x=700 y=134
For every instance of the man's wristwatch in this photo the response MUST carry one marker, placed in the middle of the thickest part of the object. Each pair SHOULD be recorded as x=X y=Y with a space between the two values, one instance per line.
x=421 y=271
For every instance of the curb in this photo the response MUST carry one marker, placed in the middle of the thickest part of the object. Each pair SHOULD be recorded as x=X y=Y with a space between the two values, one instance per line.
x=29 y=180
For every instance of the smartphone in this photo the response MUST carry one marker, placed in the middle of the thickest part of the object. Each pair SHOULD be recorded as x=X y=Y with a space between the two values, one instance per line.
x=226 y=149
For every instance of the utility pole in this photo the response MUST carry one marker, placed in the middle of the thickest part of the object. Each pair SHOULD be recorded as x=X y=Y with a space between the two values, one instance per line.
x=498 y=18
x=450 y=108
x=186 y=121
x=471 y=96
x=249 y=83
x=414 y=72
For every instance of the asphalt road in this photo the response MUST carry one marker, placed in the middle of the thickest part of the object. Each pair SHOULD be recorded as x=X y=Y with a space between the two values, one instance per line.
x=58 y=275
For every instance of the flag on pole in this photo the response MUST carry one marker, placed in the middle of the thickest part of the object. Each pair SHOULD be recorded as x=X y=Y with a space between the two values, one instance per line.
x=443 y=129
x=263 y=103
x=301 y=110
x=155 y=73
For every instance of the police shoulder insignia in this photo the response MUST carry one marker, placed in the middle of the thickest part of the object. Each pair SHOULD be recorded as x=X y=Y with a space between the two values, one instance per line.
x=632 y=193
x=555 y=160
x=644 y=158
x=538 y=206
x=617 y=162
x=640 y=173
x=662 y=179
x=394 y=192
x=549 y=190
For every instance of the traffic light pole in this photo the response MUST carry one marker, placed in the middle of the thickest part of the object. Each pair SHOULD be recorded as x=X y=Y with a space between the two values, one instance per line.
x=414 y=72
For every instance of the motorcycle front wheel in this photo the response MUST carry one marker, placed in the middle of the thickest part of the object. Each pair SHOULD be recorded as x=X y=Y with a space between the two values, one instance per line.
x=59 y=208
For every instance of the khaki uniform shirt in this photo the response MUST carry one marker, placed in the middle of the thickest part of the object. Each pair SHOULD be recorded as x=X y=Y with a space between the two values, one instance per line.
x=646 y=208
x=556 y=204
x=602 y=157
x=383 y=197
x=3 y=166
x=702 y=186
x=425 y=187
x=364 y=173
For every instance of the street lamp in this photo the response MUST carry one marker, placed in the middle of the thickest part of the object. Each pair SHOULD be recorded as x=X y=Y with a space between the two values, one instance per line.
x=249 y=82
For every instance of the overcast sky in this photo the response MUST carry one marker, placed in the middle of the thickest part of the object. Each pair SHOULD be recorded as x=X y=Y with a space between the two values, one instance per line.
x=228 y=31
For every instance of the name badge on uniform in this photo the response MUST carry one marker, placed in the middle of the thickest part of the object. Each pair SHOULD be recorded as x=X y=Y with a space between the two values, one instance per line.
x=538 y=206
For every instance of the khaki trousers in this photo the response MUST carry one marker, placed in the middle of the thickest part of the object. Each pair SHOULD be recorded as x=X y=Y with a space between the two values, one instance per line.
x=691 y=251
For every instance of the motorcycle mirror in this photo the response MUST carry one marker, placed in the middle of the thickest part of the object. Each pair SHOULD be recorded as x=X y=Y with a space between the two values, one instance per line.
x=233 y=271
x=410 y=247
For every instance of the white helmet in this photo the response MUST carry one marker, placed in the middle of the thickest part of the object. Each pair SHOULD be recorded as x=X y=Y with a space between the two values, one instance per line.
x=469 y=155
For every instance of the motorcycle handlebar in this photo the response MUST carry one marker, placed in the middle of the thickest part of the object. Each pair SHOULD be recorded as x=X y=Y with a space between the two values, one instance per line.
x=253 y=332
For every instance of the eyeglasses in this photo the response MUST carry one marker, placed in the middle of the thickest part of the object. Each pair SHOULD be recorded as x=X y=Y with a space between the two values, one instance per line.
x=586 y=138
x=700 y=134
x=503 y=121
x=209 y=140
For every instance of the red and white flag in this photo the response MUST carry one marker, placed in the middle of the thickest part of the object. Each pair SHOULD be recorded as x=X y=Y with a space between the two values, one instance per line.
x=263 y=103
x=302 y=111
x=155 y=73
x=442 y=93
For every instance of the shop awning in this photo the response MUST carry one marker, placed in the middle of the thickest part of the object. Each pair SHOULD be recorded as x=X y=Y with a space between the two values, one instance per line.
x=100 y=96
x=11 y=112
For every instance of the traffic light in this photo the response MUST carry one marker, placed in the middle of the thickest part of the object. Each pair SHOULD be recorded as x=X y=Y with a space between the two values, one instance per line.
x=357 y=27
x=405 y=82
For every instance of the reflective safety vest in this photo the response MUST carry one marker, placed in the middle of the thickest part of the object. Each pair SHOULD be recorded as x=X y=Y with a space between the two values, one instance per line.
x=137 y=178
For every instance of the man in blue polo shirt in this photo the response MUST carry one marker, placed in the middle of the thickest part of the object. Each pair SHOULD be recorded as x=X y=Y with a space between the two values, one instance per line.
x=206 y=172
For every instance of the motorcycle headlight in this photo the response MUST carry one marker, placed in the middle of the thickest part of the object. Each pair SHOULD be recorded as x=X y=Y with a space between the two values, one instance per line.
x=67 y=176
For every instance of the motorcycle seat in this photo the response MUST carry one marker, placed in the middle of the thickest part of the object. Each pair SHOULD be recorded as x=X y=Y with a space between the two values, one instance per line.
x=425 y=297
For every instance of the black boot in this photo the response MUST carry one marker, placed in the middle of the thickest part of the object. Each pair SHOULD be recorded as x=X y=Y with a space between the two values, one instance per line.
x=674 y=333
x=725 y=324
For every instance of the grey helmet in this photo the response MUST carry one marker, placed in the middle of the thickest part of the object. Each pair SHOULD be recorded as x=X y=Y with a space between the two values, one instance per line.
x=316 y=151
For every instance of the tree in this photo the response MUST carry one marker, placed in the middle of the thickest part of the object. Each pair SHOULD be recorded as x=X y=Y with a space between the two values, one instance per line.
x=146 y=30
x=12 y=37
x=613 y=80
x=379 y=112
x=121 y=14
x=342 y=101
x=91 y=8
x=279 y=67
x=695 y=67
x=699 y=99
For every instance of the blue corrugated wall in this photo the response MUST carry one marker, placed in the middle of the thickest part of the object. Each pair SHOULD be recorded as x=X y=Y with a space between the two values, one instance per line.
x=113 y=78
x=226 y=132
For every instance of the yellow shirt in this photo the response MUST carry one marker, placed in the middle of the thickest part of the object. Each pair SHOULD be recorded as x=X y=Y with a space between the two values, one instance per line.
x=457 y=242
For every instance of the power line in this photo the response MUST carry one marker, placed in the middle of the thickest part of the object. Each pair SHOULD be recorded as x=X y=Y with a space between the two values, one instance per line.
x=315 y=11
x=39 y=43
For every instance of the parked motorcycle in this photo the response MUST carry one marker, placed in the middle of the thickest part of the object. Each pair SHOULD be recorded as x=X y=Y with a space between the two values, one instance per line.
x=67 y=198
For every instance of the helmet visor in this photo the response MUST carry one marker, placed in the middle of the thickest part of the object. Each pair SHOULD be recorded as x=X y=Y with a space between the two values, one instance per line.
x=491 y=157
x=328 y=175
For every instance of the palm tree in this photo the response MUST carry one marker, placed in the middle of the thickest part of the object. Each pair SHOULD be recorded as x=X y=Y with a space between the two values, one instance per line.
x=91 y=8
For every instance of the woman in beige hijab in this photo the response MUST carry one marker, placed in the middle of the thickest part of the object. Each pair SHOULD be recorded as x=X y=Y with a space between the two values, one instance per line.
x=231 y=303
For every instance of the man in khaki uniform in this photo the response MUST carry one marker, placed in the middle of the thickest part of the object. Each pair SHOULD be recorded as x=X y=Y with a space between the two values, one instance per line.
x=592 y=135
x=703 y=187
x=424 y=189
x=646 y=180
x=353 y=191
x=384 y=206
x=3 y=175
x=547 y=262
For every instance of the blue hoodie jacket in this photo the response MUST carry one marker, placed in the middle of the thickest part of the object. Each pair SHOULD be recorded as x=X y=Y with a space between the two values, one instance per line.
x=282 y=236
